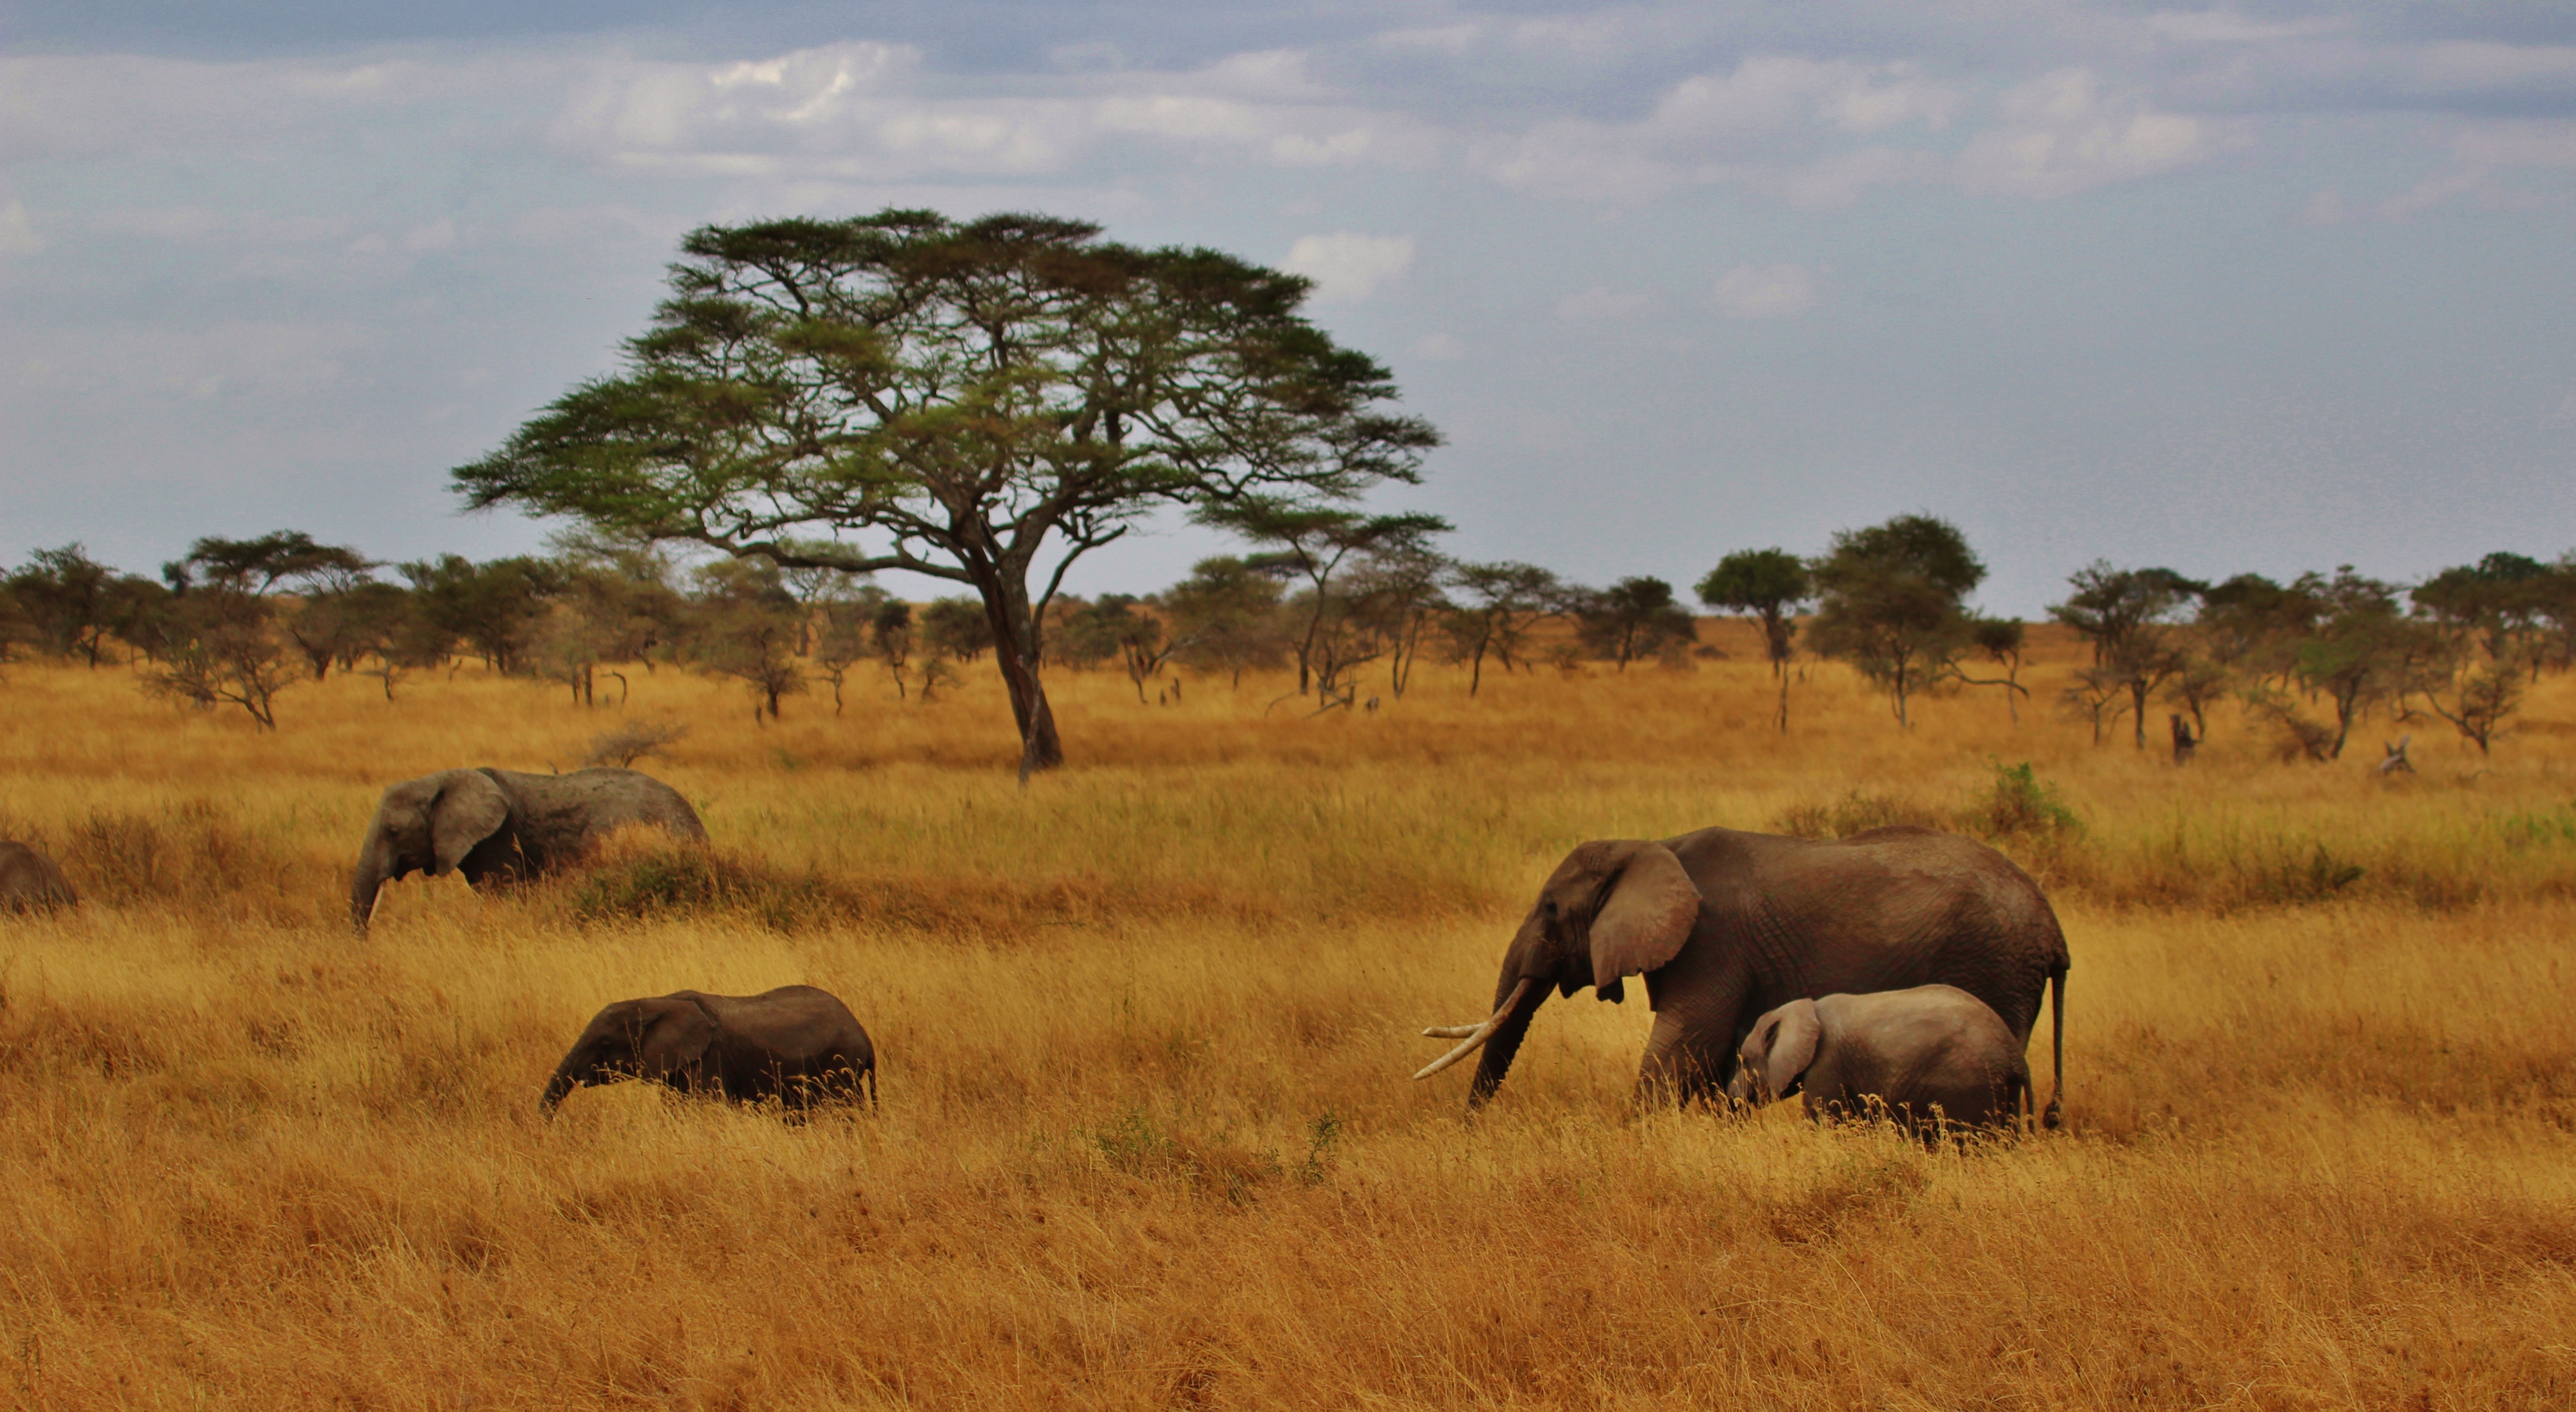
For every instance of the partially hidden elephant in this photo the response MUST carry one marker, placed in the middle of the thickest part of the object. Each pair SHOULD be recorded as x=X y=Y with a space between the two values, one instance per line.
x=1725 y=925
x=1925 y=1055
x=797 y=1044
x=495 y=826
x=29 y=881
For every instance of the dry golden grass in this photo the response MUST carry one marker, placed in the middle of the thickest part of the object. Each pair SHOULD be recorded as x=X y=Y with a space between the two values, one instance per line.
x=1147 y=1138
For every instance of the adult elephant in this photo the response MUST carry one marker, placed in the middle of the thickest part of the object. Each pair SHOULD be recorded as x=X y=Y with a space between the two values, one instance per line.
x=1725 y=926
x=498 y=825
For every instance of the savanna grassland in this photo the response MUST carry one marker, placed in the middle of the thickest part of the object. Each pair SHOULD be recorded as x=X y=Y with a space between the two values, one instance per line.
x=1147 y=1137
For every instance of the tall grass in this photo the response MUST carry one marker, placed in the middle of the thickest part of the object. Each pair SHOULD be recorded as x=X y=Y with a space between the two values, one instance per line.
x=1146 y=1137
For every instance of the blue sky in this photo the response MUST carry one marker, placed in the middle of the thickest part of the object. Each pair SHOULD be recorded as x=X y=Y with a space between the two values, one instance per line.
x=2266 y=287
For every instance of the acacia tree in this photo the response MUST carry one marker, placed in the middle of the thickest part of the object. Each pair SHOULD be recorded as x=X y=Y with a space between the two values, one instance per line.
x=1503 y=601
x=1632 y=619
x=1769 y=585
x=1889 y=601
x=1315 y=544
x=981 y=402
x=2124 y=613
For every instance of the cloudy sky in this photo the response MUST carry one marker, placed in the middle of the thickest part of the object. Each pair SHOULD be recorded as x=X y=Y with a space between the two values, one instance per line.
x=2270 y=287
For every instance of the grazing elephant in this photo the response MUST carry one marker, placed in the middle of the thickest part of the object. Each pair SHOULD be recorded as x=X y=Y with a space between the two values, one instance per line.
x=1934 y=1051
x=796 y=1043
x=497 y=825
x=29 y=881
x=1726 y=925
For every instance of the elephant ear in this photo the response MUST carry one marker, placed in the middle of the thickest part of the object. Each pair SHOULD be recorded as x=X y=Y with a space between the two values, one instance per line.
x=675 y=1034
x=1792 y=1048
x=469 y=809
x=1646 y=915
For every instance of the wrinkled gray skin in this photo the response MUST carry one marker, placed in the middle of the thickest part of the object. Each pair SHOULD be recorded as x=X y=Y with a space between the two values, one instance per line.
x=1930 y=1051
x=29 y=881
x=495 y=826
x=1725 y=925
x=797 y=1044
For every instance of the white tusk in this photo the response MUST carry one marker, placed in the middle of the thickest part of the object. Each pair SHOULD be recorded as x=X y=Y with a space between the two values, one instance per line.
x=1474 y=1035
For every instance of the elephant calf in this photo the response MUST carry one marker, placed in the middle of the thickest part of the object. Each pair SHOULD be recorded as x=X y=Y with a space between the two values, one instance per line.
x=1933 y=1050
x=796 y=1043
x=29 y=881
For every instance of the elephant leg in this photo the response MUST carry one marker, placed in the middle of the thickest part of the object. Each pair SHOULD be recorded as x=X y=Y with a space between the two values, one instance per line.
x=495 y=862
x=1683 y=1064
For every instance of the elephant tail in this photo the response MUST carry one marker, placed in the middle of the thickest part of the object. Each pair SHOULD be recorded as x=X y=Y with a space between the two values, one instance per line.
x=2057 y=1047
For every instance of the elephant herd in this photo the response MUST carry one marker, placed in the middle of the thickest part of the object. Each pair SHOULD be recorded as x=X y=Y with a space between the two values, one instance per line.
x=1899 y=970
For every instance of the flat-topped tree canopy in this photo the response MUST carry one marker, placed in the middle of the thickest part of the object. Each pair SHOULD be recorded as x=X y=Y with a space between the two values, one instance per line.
x=981 y=401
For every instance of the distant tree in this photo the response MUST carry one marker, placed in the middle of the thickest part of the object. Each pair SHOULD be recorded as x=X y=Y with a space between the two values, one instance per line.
x=2477 y=698
x=1226 y=617
x=956 y=628
x=2197 y=682
x=2363 y=651
x=2500 y=600
x=218 y=646
x=1398 y=600
x=746 y=625
x=1503 y=602
x=890 y=633
x=987 y=395
x=1117 y=625
x=1312 y=546
x=1632 y=619
x=1890 y=601
x=1999 y=641
x=2252 y=627
x=64 y=597
x=2126 y=614
x=496 y=608
x=1770 y=586
x=845 y=634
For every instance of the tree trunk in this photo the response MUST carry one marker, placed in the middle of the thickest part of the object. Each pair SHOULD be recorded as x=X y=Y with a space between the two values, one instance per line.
x=1015 y=652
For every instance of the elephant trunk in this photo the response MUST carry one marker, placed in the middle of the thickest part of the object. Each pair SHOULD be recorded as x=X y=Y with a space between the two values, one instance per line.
x=1510 y=1026
x=368 y=878
x=557 y=1087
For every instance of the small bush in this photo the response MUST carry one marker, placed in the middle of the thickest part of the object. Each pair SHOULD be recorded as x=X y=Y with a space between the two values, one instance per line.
x=2018 y=804
x=629 y=743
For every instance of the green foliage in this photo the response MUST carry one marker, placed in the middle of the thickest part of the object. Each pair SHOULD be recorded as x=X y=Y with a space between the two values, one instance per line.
x=1633 y=619
x=1769 y=584
x=983 y=395
x=2019 y=804
x=1889 y=601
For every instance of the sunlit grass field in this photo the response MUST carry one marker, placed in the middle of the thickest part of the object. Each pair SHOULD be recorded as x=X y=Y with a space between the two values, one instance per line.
x=1147 y=1137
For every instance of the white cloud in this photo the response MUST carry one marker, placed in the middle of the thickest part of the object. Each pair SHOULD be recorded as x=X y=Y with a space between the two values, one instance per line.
x=17 y=233
x=2063 y=133
x=1441 y=347
x=1766 y=291
x=1600 y=302
x=1348 y=267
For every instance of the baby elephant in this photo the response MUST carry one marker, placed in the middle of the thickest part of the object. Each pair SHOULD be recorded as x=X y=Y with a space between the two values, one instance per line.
x=796 y=1042
x=1932 y=1047
x=29 y=881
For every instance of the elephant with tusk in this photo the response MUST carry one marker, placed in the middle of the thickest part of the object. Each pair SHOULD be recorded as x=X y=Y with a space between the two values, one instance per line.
x=495 y=826
x=1723 y=926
